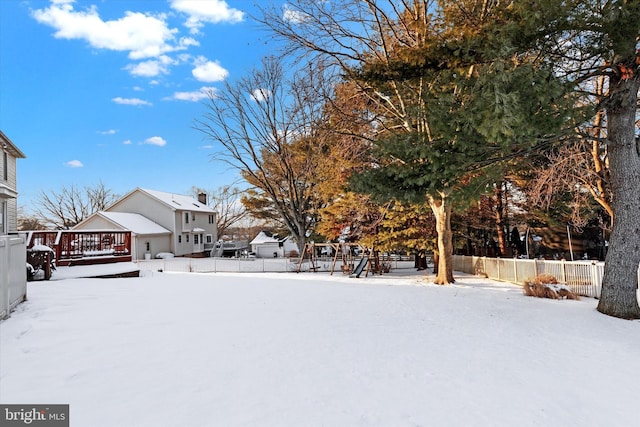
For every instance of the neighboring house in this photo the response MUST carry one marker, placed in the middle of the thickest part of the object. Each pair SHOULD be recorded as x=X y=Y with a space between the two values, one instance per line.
x=190 y=222
x=145 y=234
x=267 y=245
x=8 y=185
x=13 y=254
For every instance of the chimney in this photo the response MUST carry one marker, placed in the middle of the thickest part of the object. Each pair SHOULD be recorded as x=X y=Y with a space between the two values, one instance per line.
x=202 y=198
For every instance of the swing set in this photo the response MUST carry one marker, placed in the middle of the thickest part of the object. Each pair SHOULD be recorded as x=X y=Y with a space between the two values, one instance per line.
x=351 y=264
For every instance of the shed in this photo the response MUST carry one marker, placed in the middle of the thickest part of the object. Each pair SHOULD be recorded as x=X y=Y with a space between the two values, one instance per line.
x=267 y=245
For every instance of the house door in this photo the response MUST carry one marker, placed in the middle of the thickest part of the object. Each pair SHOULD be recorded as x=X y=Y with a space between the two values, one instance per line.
x=198 y=243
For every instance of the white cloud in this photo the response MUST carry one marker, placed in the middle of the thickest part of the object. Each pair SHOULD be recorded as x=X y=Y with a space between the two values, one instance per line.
x=156 y=140
x=107 y=132
x=142 y=35
x=260 y=95
x=127 y=142
x=131 y=101
x=185 y=42
x=152 y=67
x=293 y=16
x=194 y=96
x=201 y=12
x=208 y=71
x=147 y=69
x=74 y=164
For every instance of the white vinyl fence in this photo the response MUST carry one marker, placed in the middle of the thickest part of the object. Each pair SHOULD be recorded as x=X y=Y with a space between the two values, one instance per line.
x=215 y=265
x=13 y=273
x=583 y=277
x=243 y=265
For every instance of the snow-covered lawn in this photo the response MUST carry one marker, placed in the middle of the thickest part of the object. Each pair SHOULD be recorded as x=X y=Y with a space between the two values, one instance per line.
x=313 y=350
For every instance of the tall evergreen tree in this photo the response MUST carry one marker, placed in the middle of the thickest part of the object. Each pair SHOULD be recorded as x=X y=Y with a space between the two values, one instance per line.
x=587 y=41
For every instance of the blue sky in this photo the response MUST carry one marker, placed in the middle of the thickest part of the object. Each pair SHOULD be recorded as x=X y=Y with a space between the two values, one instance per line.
x=97 y=90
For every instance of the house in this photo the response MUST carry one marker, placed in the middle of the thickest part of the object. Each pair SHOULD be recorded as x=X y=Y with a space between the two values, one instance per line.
x=164 y=222
x=13 y=276
x=8 y=185
x=267 y=245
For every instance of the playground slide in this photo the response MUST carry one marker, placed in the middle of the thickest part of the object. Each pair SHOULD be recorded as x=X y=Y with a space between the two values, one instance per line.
x=360 y=267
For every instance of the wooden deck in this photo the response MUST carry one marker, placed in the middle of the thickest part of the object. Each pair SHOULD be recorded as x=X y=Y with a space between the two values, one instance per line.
x=86 y=247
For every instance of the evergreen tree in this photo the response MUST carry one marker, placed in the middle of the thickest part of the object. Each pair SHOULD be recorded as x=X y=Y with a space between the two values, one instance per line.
x=587 y=42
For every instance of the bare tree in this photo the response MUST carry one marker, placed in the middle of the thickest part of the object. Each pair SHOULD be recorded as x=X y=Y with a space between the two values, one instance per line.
x=29 y=221
x=65 y=208
x=268 y=125
x=225 y=200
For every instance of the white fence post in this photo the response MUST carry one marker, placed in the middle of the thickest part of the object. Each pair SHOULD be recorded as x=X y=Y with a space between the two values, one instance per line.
x=4 y=279
x=593 y=270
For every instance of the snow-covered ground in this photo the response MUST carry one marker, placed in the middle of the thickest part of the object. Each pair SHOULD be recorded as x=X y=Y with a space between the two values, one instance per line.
x=317 y=350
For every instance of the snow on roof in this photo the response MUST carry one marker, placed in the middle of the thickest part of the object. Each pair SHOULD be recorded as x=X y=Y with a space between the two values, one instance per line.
x=135 y=223
x=178 y=201
x=266 y=237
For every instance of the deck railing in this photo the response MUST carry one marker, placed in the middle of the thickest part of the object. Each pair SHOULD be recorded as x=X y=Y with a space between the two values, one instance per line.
x=84 y=246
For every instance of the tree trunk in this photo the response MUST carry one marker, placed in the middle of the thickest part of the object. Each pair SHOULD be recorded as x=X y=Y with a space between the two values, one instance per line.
x=620 y=281
x=441 y=207
x=502 y=243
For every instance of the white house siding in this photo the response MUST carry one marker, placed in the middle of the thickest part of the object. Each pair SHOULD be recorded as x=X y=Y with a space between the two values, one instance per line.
x=9 y=185
x=12 y=215
x=145 y=205
x=168 y=210
x=156 y=211
x=198 y=221
x=96 y=223
x=12 y=204
x=157 y=244
x=13 y=253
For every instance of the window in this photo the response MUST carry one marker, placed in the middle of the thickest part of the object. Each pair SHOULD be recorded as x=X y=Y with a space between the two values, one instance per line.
x=187 y=236
x=186 y=217
x=193 y=216
x=5 y=166
x=195 y=239
x=212 y=219
x=3 y=225
x=148 y=246
x=180 y=238
x=209 y=238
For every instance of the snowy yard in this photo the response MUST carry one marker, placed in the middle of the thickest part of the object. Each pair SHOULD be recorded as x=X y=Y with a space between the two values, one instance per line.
x=313 y=350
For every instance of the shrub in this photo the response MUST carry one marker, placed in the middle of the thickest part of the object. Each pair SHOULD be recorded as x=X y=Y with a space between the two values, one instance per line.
x=547 y=286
